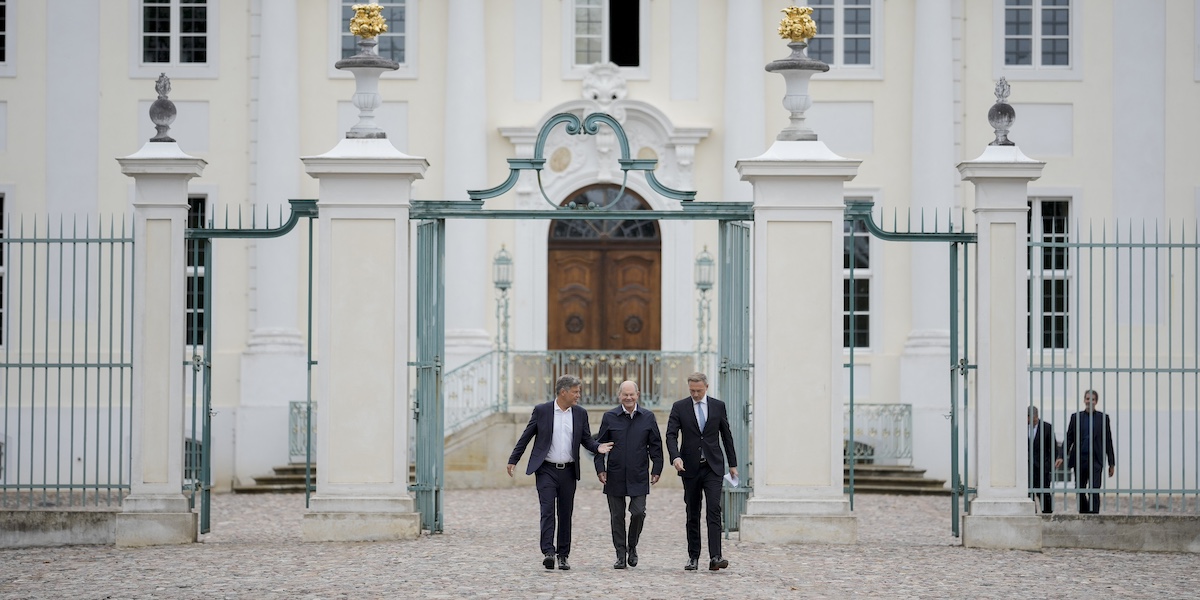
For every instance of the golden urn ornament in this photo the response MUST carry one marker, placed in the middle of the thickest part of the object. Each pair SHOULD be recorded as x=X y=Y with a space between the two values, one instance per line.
x=367 y=22
x=798 y=25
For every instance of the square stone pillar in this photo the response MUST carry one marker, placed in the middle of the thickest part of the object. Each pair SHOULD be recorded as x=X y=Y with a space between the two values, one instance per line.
x=797 y=440
x=1001 y=515
x=156 y=511
x=363 y=341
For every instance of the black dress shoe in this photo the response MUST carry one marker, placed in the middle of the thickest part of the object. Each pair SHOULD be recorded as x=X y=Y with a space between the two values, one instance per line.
x=620 y=564
x=692 y=564
x=633 y=557
x=548 y=561
x=562 y=563
x=717 y=562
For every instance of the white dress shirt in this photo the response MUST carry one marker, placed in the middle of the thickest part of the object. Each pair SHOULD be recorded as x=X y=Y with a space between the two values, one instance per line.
x=560 y=445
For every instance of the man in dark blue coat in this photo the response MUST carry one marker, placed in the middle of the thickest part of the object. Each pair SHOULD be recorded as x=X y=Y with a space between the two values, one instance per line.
x=1044 y=451
x=627 y=472
x=560 y=427
x=1089 y=441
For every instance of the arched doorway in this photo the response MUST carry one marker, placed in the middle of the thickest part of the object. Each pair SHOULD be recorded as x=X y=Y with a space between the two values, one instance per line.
x=604 y=278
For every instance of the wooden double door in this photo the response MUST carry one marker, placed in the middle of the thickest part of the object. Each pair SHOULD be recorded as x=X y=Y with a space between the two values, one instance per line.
x=604 y=297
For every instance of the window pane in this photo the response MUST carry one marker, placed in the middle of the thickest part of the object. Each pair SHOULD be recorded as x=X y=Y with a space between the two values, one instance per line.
x=1018 y=2
x=391 y=46
x=193 y=49
x=1018 y=21
x=824 y=19
x=193 y=19
x=623 y=32
x=1056 y=52
x=349 y=46
x=156 y=49
x=821 y=48
x=858 y=51
x=1056 y=21
x=858 y=21
x=1018 y=52
x=587 y=51
x=156 y=19
x=3 y=45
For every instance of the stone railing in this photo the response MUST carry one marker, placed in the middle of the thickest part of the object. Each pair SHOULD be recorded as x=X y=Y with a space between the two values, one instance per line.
x=882 y=432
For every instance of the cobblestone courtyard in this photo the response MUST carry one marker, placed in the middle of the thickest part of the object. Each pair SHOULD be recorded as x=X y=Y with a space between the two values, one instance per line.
x=489 y=550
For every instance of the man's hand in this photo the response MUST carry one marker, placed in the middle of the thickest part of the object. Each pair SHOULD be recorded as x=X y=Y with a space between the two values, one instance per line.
x=510 y=469
x=603 y=475
x=1111 y=470
x=678 y=464
x=653 y=479
x=733 y=471
x=1058 y=464
x=605 y=447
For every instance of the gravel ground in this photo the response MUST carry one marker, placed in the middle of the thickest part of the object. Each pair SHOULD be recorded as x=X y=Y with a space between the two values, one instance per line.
x=490 y=550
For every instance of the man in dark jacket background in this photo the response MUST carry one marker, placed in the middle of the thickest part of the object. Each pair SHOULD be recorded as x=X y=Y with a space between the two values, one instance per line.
x=626 y=470
x=1044 y=451
x=1090 y=441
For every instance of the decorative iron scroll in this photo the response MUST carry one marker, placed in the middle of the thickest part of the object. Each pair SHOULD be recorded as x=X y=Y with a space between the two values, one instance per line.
x=588 y=126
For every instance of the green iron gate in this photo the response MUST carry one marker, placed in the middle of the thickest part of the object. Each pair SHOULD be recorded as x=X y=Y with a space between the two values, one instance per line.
x=200 y=232
x=428 y=403
x=860 y=211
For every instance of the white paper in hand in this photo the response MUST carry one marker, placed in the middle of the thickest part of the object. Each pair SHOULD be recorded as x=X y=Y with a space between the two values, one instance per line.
x=731 y=479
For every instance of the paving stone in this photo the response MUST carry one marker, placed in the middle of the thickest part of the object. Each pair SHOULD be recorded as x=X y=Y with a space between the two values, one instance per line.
x=490 y=550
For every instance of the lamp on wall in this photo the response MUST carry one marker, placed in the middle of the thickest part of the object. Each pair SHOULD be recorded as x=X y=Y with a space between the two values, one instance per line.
x=706 y=269
x=502 y=276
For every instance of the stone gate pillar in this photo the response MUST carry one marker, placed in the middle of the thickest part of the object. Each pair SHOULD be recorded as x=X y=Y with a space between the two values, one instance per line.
x=1002 y=515
x=156 y=512
x=798 y=214
x=362 y=324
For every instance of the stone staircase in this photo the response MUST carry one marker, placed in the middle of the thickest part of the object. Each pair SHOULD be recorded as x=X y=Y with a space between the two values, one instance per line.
x=893 y=479
x=286 y=479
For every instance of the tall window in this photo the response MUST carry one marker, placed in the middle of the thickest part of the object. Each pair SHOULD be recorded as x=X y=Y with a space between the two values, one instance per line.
x=1049 y=273
x=845 y=30
x=607 y=31
x=175 y=32
x=3 y=31
x=392 y=43
x=197 y=271
x=857 y=252
x=1037 y=33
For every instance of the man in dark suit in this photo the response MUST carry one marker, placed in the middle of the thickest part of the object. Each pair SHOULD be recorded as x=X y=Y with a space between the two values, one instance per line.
x=1043 y=450
x=560 y=427
x=1089 y=442
x=627 y=470
x=700 y=461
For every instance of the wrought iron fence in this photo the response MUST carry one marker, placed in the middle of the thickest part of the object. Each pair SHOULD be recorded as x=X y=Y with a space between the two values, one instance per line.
x=659 y=375
x=66 y=330
x=298 y=434
x=882 y=433
x=473 y=391
x=1116 y=310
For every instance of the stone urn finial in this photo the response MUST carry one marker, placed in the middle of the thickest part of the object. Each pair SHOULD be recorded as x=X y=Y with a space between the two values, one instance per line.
x=796 y=70
x=162 y=111
x=367 y=66
x=1001 y=115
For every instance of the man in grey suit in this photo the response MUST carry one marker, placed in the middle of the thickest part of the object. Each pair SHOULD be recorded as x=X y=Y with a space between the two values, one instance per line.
x=627 y=471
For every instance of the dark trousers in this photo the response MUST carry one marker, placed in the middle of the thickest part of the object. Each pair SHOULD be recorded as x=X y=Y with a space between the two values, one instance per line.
x=1039 y=478
x=637 y=516
x=556 y=490
x=1089 y=475
x=706 y=485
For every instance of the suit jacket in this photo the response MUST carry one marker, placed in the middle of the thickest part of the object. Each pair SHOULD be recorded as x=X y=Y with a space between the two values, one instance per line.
x=637 y=444
x=1043 y=449
x=1086 y=440
x=715 y=435
x=541 y=425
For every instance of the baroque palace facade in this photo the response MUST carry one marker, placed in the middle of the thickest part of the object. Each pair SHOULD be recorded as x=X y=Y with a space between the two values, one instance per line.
x=1105 y=93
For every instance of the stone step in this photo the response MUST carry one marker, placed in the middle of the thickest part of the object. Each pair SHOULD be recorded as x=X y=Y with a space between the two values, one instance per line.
x=892 y=479
x=898 y=490
x=270 y=489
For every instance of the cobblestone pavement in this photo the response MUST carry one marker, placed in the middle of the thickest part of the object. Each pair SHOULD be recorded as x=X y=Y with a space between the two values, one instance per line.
x=490 y=550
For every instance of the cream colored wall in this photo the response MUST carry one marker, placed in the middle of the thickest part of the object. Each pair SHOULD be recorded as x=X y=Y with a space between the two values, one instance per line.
x=23 y=163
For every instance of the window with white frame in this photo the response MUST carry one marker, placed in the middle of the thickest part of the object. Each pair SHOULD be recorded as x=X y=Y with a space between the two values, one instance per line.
x=195 y=314
x=601 y=31
x=3 y=31
x=1048 y=261
x=846 y=33
x=174 y=32
x=1037 y=33
x=856 y=252
x=393 y=43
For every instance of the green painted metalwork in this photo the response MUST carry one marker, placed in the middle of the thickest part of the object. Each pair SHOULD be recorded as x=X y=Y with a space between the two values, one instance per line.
x=862 y=211
x=200 y=324
x=588 y=126
x=734 y=262
x=428 y=406
x=1114 y=308
x=886 y=435
x=66 y=318
x=473 y=209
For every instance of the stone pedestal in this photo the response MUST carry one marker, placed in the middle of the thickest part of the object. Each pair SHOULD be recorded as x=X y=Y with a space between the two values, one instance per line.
x=363 y=343
x=797 y=442
x=156 y=511
x=1002 y=514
